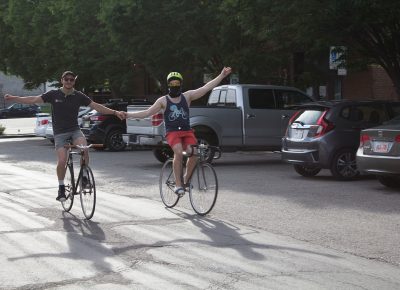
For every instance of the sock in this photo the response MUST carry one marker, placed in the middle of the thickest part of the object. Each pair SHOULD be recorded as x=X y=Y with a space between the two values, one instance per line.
x=61 y=182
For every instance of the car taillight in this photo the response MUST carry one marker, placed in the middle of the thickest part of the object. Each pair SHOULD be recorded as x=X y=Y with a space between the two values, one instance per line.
x=96 y=119
x=397 y=139
x=157 y=119
x=291 y=120
x=322 y=127
x=363 y=139
x=44 y=122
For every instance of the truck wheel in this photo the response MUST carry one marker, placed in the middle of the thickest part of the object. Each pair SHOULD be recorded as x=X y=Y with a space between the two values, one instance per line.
x=389 y=181
x=307 y=171
x=343 y=165
x=114 y=141
x=205 y=139
x=163 y=154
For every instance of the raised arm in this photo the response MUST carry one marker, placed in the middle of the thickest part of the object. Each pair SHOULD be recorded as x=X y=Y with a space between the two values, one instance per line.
x=24 y=100
x=154 y=109
x=198 y=93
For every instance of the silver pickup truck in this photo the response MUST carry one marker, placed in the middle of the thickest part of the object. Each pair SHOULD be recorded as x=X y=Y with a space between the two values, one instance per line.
x=236 y=117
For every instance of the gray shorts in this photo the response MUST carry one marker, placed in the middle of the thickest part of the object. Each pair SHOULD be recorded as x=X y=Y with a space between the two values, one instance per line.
x=66 y=138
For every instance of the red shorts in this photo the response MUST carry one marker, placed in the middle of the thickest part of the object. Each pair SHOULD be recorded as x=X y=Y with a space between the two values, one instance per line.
x=184 y=137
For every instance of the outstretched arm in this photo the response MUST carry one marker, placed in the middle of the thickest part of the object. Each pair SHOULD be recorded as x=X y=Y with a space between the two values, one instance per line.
x=196 y=94
x=24 y=100
x=154 y=109
x=104 y=110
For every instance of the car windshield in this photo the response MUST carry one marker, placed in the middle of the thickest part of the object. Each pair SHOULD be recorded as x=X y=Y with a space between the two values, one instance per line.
x=309 y=117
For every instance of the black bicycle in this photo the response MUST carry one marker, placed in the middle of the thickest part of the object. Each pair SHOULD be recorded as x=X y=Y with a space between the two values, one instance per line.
x=202 y=185
x=84 y=185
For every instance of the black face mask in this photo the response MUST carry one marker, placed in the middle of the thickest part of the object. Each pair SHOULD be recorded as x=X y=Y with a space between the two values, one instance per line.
x=174 y=92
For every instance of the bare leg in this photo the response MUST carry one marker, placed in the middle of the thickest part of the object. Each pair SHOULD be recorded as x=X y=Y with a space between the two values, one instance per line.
x=82 y=141
x=190 y=164
x=62 y=155
x=177 y=164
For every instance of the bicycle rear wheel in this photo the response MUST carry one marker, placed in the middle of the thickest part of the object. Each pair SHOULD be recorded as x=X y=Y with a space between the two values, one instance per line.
x=167 y=184
x=69 y=183
x=87 y=192
x=204 y=188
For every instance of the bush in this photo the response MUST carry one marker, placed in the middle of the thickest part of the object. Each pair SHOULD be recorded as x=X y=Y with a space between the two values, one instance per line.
x=2 y=129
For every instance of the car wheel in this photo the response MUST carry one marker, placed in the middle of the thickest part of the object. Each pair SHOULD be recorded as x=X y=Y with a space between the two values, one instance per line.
x=344 y=166
x=162 y=154
x=3 y=116
x=389 y=181
x=114 y=141
x=307 y=171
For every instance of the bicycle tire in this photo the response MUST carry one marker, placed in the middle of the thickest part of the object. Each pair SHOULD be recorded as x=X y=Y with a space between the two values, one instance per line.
x=87 y=192
x=69 y=182
x=203 y=190
x=167 y=185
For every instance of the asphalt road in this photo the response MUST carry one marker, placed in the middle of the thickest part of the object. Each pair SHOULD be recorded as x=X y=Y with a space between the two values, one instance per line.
x=256 y=189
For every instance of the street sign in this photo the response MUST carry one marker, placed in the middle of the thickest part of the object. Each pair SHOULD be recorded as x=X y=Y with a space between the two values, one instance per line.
x=336 y=57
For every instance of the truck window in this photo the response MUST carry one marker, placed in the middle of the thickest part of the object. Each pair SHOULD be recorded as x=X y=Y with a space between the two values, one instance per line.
x=261 y=99
x=222 y=98
x=286 y=99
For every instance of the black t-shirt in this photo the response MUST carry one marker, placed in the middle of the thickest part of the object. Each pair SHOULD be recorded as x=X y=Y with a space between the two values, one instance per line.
x=65 y=109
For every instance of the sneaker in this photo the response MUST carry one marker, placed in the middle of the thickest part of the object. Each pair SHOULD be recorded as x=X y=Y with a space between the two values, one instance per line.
x=179 y=191
x=61 y=194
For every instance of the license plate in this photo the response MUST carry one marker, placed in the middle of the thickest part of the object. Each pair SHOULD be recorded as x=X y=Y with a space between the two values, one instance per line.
x=85 y=124
x=297 y=134
x=382 y=147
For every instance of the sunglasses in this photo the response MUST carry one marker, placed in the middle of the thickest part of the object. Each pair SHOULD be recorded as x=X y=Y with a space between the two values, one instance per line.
x=69 y=79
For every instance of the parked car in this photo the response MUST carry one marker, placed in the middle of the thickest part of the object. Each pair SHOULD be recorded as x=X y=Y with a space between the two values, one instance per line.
x=20 y=111
x=106 y=129
x=42 y=121
x=326 y=135
x=379 y=152
x=49 y=127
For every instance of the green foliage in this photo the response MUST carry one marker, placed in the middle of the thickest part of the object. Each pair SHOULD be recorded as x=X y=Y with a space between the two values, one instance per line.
x=105 y=41
x=2 y=128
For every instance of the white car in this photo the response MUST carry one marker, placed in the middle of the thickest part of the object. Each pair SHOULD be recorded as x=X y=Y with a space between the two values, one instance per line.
x=42 y=121
x=49 y=128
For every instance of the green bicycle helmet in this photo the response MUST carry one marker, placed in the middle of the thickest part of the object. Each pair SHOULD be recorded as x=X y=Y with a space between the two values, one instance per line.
x=174 y=76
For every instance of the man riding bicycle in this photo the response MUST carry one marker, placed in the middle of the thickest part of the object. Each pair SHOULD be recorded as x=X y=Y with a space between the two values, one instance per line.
x=65 y=103
x=175 y=107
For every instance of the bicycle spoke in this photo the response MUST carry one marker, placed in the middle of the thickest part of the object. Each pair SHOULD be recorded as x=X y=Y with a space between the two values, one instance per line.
x=87 y=192
x=167 y=185
x=204 y=189
x=69 y=189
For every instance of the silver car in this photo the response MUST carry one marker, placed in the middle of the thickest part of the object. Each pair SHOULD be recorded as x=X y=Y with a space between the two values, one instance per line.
x=379 y=152
x=325 y=135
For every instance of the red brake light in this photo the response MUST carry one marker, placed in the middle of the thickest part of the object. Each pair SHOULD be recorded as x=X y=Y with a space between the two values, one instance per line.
x=291 y=120
x=397 y=139
x=44 y=122
x=157 y=119
x=364 y=138
x=98 y=118
x=323 y=126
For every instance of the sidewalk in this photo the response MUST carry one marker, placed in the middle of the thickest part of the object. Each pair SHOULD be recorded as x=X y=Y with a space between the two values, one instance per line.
x=137 y=243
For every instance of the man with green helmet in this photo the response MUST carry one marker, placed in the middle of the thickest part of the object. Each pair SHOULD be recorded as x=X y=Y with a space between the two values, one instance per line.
x=175 y=107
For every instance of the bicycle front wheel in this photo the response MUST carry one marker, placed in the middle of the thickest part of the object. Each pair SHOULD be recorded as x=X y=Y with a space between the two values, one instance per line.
x=69 y=183
x=87 y=192
x=167 y=185
x=203 y=188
